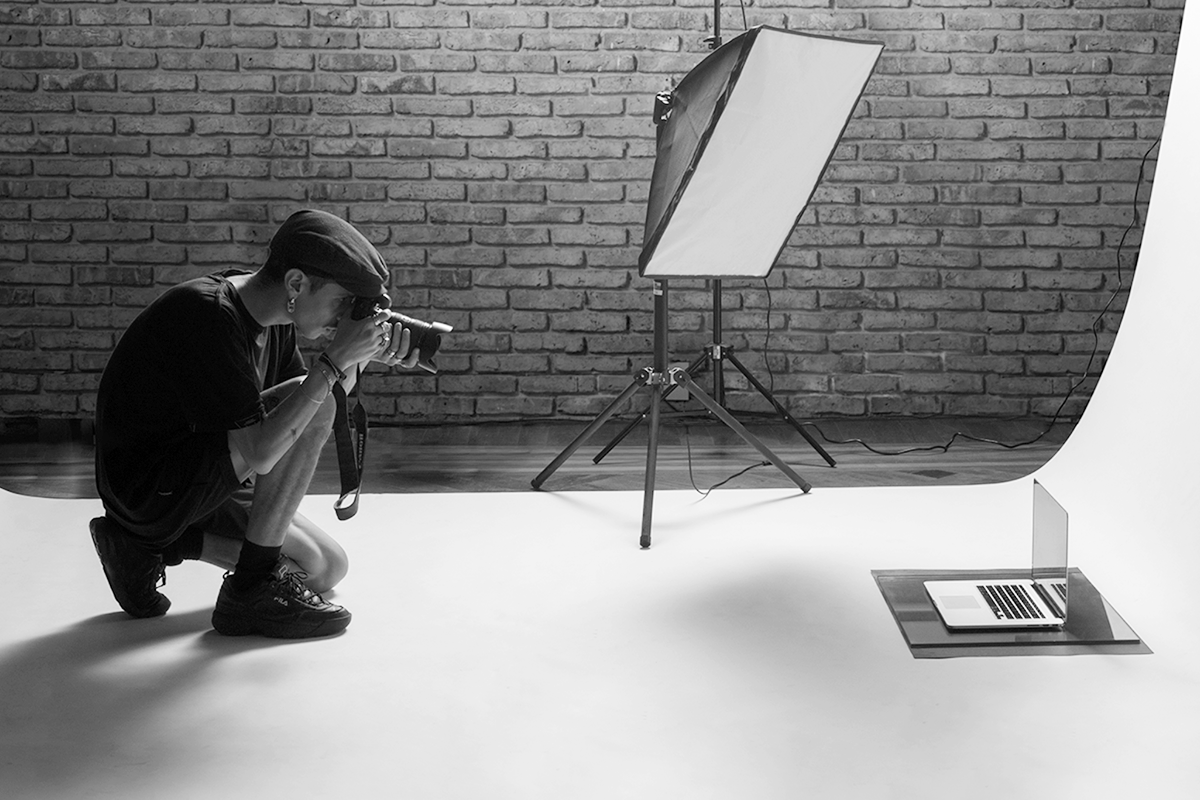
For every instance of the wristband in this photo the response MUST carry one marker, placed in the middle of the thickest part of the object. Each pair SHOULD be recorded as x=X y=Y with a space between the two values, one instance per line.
x=330 y=380
x=327 y=361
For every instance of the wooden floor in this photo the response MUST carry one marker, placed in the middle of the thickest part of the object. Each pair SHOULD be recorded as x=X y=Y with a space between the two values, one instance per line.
x=694 y=453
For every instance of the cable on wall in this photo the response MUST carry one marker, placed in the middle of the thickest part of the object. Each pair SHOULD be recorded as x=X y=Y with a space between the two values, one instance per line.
x=1095 y=328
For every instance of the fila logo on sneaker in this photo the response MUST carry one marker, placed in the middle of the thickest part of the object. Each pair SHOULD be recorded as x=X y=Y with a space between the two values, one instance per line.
x=280 y=600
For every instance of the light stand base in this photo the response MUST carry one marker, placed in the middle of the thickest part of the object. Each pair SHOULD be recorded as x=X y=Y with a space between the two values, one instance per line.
x=714 y=357
x=661 y=382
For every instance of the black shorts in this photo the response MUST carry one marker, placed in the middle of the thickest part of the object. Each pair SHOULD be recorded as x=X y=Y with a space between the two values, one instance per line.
x=193 y=490
x=228 y=520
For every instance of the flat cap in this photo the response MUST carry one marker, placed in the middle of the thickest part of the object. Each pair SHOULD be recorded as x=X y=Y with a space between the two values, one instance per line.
x=327 y=246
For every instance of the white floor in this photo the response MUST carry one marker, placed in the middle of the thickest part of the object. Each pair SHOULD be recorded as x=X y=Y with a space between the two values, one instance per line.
x=522 y=646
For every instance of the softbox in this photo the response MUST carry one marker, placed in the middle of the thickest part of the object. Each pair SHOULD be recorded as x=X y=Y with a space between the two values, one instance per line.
x=746 y=137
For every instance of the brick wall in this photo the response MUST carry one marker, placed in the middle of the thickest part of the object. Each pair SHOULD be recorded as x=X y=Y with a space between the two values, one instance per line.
x=499 y=154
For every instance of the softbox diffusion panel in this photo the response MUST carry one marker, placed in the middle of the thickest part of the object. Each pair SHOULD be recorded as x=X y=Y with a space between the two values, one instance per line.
x=750 y=131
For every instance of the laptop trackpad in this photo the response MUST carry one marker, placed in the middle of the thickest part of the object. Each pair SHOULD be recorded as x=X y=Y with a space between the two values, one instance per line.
x=959 y=601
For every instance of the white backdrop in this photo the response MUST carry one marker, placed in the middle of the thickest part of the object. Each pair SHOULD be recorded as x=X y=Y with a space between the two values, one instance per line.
x=1130 y=468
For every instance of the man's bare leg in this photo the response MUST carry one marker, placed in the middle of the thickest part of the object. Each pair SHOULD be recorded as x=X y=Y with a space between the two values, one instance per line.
x=277 y=494
x=307 y=548
x=276 y=604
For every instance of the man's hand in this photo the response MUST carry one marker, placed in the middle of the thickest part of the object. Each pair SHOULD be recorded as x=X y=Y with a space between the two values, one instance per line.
x=358 y=340
x=396 y=341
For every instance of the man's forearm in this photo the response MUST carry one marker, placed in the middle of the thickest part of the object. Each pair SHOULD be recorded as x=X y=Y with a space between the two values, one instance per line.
x=262 y=445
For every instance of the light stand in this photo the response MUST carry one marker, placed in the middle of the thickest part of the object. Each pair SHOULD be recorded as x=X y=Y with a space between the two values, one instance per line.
x=725 y=197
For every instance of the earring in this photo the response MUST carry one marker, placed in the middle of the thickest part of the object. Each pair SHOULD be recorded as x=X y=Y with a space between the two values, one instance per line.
x=291 y=305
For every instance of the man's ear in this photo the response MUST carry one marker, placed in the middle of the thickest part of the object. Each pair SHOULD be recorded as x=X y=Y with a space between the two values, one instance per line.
x=295 y=281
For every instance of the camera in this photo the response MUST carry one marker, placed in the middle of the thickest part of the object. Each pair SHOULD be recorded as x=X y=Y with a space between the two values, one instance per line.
x=425 y=336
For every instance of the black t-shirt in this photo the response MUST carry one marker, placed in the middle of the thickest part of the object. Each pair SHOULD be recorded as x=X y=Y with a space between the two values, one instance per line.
x=189 y=369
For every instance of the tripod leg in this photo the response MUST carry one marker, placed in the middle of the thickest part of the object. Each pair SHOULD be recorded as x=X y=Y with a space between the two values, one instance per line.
x=779 y=408
x=698 y=364
x=638 y=382
x=740 y=430
x=620 y=437
x=651 y=465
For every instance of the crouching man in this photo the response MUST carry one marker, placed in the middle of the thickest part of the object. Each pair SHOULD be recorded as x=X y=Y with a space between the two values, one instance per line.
x=209 y=426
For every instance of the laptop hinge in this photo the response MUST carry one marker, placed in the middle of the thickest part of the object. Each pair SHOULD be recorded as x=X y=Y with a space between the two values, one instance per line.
x=1050 y=600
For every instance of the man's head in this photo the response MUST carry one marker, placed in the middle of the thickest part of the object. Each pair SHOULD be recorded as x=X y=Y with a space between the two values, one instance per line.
x=327 y=247
x=323 y=262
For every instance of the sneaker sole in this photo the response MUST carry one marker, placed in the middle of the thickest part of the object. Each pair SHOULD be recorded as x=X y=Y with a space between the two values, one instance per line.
x=228 y=624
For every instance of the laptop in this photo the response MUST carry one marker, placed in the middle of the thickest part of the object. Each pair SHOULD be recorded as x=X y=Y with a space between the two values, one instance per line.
x=1037 y=599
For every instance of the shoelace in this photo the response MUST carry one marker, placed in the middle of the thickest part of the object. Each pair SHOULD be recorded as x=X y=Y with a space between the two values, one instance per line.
x=158 y=572
x=294 y=583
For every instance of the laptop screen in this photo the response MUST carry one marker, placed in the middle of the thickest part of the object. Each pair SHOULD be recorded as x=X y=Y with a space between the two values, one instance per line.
x=1049 y=539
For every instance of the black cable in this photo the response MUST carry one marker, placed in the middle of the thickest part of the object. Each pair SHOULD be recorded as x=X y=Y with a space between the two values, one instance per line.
x=687 y=440
x=1096 y=325
x=767 y=340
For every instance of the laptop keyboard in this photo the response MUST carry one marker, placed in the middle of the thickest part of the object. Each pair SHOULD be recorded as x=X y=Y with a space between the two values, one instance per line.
x=1061 y=590
x=1009 y=601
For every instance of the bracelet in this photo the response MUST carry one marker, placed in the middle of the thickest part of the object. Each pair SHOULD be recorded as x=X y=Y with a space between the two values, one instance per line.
x=327 y=361
x=329 y=379
x=309 y=397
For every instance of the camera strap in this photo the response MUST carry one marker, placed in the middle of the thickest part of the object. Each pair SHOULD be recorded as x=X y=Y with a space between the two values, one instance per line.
x=350 y=452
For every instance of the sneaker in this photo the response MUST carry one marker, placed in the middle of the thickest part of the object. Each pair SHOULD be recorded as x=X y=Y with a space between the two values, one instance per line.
x=281 y=607
x=133 y=574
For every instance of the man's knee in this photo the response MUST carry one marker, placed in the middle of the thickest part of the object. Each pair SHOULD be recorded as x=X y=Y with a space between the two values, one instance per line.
x=334 y=567
x=318 y=555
